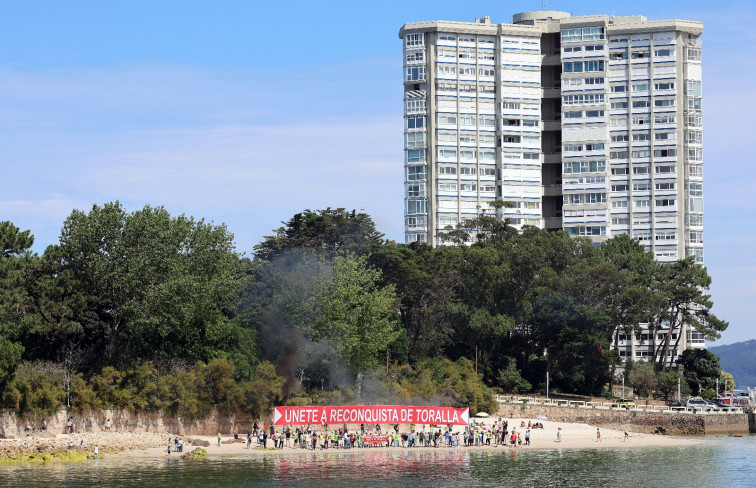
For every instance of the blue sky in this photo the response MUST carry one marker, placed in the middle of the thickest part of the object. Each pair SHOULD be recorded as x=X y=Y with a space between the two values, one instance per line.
x=247 y=112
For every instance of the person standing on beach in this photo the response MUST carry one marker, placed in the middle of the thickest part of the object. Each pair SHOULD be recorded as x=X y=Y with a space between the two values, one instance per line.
x=627 y=437
x=219 y=438
x=559 y=434
x=107 y=425
x=96 y=451
x=69 y=426
x=598 y=434
x=527 y=437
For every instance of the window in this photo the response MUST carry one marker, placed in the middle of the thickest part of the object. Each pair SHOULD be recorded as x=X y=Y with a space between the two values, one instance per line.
x=445 y=220
x=486 y=155
x=487 y=72
x=573 y=115
x=468 y=187
x=697 y=253
x=572 y=35
x=586 y=230
x=642 y=203
x=595 y=47
x=666 y=236
x=487 y=122
x=620 y=221
x=415 y=122
x=463 y=71
x=583 y=99
x=447 y=187
x=693 y=88
x=642 y=236
x=570 y=167
x=695 y=170
x=641 y=137
x=582 y=66
x=669 y=102
x=414 y=56
x=486 y=55
x=450 y=54
x=664 y=119
x=637 y=87
x=695 y=189
x=642 y=220
x=415 y=73
x=620 y=138
x=641 y=170
x=640 y=54
x=664 y=136
x=447 y=153
x=467 y=137
x=447 y=170
x=695 y=237
x=510 y=139
x=693 y=54
x=641 y=186
x=642 y=120
x=619 y=154
x=583 y=198
x=665 y=169
x=530 y=156
x=411 y=40
x=467 y=170
x=695 y=220
x=416 y=156
x=665 y=186
x=415 y=173
x=415 y=189
x=619 y=105
x=642 y=153
x=618 y=122
x=694 y=137
x=416 y=206
x=594 y=113
x=665 y=202
x=621 y=187
x=617 y=55
x=530 y=123
x=695 y=154
x=488 y=188
x=446 y=70
x=619 y=171
x=486 y=138
x=667 y=85
x=664 y=153
x=487 y=172
x=415 y=105
x=666 y=219
x=467 y=55
x=447 y=119
x=619 y=204
x=510 y=105
x=415 y=139
x=664 y=52
x=641 y=103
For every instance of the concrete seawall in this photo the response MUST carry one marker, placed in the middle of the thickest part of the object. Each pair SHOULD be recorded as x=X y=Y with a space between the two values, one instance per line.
x=636 y=421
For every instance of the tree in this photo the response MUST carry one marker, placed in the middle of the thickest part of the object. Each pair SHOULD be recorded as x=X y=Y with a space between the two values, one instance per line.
x=726 y=382
x=323 y=231
x=643 y=379
x=700 y=369
x=358 y=316
x=681 y=284
x=156 y=287
x=667 y=381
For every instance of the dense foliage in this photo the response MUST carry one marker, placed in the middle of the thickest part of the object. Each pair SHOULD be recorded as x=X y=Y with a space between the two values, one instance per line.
x=147 y=311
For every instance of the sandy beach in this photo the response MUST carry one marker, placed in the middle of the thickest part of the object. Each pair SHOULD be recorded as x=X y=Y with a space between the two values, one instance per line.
x=125 y=445
x=574 y=436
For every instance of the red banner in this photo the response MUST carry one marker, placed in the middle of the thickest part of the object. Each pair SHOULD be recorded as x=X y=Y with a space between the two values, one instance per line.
x=376 y=440
x=371 y=414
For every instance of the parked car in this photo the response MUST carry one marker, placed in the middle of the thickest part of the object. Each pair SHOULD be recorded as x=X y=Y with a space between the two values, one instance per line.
x=697 y=404
x=623 y=402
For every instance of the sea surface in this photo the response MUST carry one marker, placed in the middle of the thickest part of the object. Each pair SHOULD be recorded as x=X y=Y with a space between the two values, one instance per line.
x=720 y=462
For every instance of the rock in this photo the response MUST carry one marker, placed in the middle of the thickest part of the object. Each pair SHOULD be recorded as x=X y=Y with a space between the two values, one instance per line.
x=198 y=442
x=197 y=453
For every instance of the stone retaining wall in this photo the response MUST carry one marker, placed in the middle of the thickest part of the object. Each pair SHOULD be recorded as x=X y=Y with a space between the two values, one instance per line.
x=13 y=426
x=635 y=421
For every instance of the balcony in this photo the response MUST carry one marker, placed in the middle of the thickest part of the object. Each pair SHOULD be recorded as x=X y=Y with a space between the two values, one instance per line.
x=553 y=190
x=553 y=223
x=552 y=158
x=552 y=125
x=551 y=60
x=551 y=92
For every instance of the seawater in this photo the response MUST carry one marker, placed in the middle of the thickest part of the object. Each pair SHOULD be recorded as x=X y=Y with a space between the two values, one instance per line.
x=719 y=462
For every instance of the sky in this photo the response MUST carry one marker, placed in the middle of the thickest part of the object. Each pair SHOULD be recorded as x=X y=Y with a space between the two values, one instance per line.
x=245 y=113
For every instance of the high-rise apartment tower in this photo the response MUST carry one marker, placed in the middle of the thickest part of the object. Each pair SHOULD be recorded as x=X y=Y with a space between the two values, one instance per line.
x=591 y=124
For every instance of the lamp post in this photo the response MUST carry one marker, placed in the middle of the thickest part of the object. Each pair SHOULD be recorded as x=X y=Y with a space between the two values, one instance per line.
x=623 y=386
x=547 y=386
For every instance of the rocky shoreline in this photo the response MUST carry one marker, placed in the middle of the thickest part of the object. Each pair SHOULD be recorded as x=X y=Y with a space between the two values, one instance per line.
x=33 y=447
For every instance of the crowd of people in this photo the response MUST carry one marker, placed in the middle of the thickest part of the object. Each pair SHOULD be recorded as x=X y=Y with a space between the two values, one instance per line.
x=476 y=434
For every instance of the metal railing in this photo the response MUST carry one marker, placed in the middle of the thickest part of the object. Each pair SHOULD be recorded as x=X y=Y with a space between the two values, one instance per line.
x=614 y=406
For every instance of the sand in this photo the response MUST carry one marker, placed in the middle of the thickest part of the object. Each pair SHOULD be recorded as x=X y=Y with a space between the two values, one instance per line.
x=574 y=436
